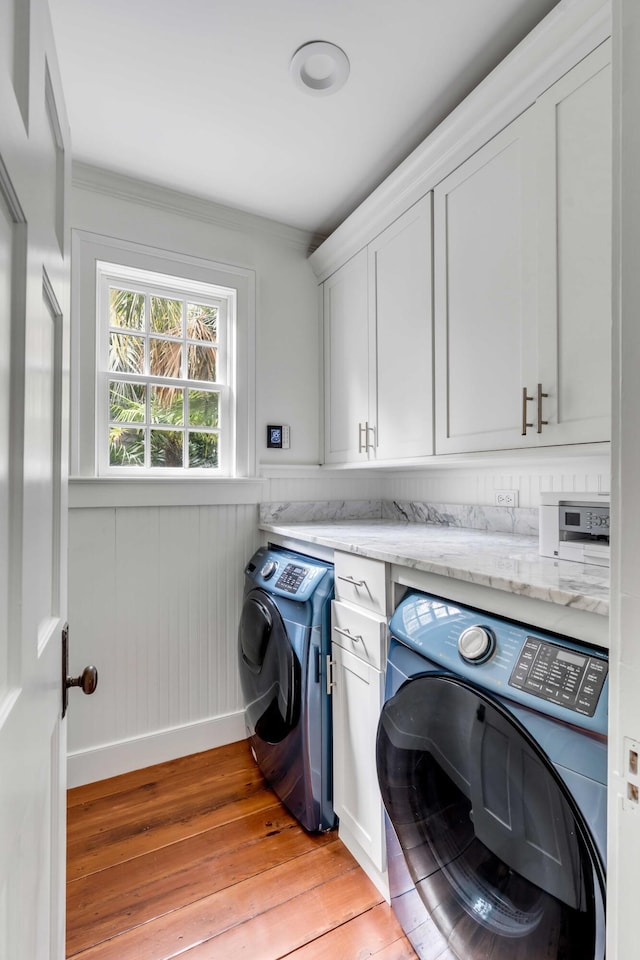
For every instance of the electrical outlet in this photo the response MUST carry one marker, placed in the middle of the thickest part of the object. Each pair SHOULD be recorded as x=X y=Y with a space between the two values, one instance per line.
x=506 y=498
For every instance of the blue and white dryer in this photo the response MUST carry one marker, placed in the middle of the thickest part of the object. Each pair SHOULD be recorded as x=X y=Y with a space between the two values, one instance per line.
x=284 y=638
x=492 y=764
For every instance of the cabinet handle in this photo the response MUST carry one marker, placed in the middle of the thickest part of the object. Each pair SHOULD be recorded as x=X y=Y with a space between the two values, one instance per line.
x=330 y=681
x=368 y=430
x=362 y=428
x=541 y=423
x=348 y=634
x=352 y=581
x=525 y=422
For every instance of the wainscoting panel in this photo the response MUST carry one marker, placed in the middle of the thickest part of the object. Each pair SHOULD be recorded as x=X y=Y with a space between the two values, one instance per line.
x=477 y=484
x=155 y=597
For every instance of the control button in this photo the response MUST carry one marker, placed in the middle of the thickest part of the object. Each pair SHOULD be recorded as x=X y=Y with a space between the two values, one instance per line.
x=476 y=644
x=268 y=569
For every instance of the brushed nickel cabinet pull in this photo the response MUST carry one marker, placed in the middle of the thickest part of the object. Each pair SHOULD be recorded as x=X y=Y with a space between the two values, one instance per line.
x=525 y=422
x=373 y=431
x=352 y=581
x=347 y=633
x=362 y=447
x=330 y=681
x=541 y=423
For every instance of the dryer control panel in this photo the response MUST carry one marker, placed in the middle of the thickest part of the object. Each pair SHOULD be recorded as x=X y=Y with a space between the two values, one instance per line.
x=291 y=577
x=555 y=676
x=283 y=573
x=559 y=675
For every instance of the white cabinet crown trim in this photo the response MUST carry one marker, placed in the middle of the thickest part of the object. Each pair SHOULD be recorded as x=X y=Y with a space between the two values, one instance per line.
x=568 y=34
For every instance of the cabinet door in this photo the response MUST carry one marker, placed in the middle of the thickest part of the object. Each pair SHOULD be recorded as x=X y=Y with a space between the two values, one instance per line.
x=346 y=358
x=400 y=297
x=574 y=187
x=357 y=700
x=485 y=283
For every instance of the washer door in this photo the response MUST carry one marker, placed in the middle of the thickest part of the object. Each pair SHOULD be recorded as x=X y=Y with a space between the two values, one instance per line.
x=269 y=669
x=495 y=846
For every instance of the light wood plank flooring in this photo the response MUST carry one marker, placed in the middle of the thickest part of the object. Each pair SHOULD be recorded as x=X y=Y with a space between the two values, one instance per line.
x=197 y=858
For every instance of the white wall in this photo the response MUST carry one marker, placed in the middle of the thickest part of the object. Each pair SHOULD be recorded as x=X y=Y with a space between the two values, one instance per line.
x=286 y=305
x=155 y=590
x=155 y=594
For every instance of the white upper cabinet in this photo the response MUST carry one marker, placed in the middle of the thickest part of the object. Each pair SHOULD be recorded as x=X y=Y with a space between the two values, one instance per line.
x=523 y=278
x=400 y=298
x=574 y=252
x=485 y=262
x=378 y=336
x=346 y=359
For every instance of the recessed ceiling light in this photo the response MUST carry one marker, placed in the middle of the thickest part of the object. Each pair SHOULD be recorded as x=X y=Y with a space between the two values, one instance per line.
x=319 y=68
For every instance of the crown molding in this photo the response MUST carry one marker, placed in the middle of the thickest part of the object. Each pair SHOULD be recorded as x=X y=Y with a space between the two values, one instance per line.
x=566 y=35
x=86 y=176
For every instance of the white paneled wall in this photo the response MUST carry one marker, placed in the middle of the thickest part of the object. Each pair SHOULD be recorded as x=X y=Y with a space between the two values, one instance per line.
x=155 y=597
x=468 y=483
x=477 y=484
x=323 y=485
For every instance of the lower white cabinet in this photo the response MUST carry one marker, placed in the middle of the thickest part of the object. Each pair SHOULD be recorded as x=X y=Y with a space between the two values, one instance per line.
x=358 y=654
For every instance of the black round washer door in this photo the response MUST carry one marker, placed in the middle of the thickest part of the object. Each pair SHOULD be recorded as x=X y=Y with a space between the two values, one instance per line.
x=498 y=852
x=270 y=671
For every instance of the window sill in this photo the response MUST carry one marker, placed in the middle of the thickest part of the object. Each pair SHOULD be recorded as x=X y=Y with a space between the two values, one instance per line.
x=91 y=492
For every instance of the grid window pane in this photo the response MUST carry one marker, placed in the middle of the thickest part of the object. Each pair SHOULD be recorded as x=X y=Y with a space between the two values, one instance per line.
x=127 y=402
x=165 y=358
x=202 y=363
x=204 y=408
x=166 y=316
x=202 y=322
x=166 y=448
x=167 y=405
x=126 y=353
x=203 y=449
x=126 y=309
x=126 y=447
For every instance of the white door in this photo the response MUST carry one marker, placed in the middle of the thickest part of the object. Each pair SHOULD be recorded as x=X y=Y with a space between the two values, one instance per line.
x=400 y=297
x=485 y=294
x=33 y=455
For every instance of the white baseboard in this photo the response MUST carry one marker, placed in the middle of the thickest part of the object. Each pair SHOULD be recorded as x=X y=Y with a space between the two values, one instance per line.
x=112 y=759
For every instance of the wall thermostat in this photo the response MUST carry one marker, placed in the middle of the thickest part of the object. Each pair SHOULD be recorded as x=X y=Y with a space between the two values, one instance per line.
x=278 y=436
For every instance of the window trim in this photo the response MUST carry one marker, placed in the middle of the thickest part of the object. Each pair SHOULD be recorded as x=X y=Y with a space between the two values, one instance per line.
x=90 y=248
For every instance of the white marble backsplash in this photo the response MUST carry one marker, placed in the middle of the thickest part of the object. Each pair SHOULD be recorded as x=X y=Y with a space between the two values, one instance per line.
x=308 y=511
x=517 y=520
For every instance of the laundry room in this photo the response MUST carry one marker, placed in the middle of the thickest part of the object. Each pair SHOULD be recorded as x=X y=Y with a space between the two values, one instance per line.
x=320 y=389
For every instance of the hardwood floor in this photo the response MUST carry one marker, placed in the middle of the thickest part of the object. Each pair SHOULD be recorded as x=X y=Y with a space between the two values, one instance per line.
x=197 y=858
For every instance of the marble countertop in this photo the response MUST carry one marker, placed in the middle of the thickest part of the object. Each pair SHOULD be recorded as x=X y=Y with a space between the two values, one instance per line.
x=504 y=561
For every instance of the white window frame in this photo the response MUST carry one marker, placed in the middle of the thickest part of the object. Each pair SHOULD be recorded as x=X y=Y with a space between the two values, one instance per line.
x=113 y=275
x=89 y=248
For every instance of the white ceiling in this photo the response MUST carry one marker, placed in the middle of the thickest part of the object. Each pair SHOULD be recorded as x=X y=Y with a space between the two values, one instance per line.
x=196 y=94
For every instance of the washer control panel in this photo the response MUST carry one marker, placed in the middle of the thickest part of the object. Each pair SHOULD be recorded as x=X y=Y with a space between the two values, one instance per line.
x=559 y=675
x=291 y=578
x=476 y=644
x=268 y=569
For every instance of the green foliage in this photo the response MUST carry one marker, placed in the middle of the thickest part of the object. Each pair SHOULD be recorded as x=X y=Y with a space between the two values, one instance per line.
x=166 y=402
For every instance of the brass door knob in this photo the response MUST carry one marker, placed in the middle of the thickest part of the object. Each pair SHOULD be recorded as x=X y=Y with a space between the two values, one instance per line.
x=88 y=680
